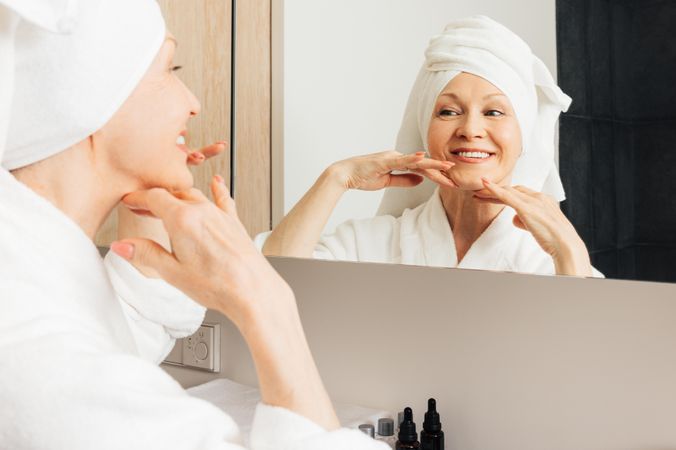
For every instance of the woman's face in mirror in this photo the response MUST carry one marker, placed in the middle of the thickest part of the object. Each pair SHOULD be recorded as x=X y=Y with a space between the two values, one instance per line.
x=143 y=138
x=474 y=125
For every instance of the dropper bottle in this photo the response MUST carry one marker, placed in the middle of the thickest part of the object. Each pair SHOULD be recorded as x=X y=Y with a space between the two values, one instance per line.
x=408 y=437
x=431 y=436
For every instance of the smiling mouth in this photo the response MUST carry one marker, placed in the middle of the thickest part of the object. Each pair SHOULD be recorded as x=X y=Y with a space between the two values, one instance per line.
x=180 y=143
x=471 y=155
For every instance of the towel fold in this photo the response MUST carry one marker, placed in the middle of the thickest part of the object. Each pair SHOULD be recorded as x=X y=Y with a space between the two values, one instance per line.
x=68 y=86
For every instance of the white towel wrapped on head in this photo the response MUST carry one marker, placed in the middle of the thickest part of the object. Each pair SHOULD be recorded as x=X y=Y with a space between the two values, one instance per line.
x=53 y=15
x=68 y=86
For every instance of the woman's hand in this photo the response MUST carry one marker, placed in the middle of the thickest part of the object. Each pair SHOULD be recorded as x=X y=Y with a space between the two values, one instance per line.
x=373 y=172
x=541 y=215
x=197 y=157
x=213 y=260
x=134 y=225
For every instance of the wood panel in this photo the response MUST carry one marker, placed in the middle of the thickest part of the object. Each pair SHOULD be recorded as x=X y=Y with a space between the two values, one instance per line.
x=252 y=135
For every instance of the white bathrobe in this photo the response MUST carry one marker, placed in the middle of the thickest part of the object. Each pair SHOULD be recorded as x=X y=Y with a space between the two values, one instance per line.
x=422 y=236
x=78 y=360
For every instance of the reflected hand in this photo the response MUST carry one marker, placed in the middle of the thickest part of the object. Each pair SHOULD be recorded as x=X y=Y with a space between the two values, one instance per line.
x=541 y=215
x=373 y=172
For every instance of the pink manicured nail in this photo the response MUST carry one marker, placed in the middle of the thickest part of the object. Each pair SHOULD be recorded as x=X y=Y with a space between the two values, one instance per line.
x=219 y=179
x=124 y=249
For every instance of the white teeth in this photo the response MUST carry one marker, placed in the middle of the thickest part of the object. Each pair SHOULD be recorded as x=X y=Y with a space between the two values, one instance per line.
x=180 y=140
x=480 y=155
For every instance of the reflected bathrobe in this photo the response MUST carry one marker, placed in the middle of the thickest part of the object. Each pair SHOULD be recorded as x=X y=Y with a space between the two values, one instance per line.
x=422 y=236
x=79 y=345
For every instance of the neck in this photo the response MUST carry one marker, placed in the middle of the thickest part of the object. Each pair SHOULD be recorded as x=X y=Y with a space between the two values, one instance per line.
x=72 y=181
x=467 y=217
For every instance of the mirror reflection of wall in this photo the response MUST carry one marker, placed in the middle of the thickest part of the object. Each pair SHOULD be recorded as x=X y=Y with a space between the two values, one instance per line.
x=617 y=59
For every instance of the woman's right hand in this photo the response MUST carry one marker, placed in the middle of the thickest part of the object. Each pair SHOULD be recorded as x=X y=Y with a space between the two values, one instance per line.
x=373 y=172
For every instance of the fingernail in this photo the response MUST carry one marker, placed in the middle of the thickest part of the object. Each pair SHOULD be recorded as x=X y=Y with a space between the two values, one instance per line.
x=222 y=142
x=123 y=249
x=197 y=155
x=219 y=179
x=485 y=180
x=419 y=153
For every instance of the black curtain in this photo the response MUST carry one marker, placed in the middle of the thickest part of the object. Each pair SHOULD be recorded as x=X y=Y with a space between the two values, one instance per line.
x=617 y=60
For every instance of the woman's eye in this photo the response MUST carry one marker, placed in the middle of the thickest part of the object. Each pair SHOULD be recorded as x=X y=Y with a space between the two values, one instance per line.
x=447 y=113
x=175 y=68
x=494 y=113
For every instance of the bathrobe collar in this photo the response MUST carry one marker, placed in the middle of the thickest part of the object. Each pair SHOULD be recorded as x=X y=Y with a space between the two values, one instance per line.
x=68 y=262
x=436 y=243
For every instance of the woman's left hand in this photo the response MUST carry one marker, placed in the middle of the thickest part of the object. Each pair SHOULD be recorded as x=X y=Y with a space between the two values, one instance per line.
x=541 y=215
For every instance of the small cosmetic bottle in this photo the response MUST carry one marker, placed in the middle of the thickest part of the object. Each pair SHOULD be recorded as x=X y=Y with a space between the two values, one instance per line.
x=431 y=436
x=386 y=432
x=408 y=437
x=367 y=429
x=400 y=419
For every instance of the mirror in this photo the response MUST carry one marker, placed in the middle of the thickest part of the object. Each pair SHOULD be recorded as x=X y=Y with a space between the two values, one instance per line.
x=341 y=85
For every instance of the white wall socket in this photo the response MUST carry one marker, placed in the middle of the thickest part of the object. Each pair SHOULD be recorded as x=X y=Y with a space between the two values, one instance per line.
x=200 y=350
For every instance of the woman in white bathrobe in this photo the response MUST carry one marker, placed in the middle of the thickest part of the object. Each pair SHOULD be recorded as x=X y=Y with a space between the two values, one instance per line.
x=97 y=116
x=484 y=109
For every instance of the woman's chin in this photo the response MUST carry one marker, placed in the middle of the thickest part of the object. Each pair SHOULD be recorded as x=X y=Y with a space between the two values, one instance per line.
x=468 y=183
x=185 y=182
x=180 y=182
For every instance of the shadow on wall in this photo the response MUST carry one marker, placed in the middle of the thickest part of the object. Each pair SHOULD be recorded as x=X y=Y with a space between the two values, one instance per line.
x=617 y=60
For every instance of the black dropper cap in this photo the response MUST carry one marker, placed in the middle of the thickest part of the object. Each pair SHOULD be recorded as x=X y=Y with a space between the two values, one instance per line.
x=432 y=423
x=407 y=433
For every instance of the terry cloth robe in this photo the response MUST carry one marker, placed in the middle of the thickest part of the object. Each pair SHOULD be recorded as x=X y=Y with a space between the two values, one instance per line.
x=73 y=375
x=422 y=236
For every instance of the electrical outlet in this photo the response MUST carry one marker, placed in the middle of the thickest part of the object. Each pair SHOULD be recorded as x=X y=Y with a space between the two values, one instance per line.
x=200 y=350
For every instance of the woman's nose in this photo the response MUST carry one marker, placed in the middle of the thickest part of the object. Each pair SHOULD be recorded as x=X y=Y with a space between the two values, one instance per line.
x=472 y=127
x=195 y=106
x=193 y=102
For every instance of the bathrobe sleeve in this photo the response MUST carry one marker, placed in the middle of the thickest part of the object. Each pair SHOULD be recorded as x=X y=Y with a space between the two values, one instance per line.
x=66 y=385
x=525 y=255
x=374 y=239
x=157 y=313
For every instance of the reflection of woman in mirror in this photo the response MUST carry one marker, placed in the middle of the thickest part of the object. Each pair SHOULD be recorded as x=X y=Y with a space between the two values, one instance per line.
x=484 y=109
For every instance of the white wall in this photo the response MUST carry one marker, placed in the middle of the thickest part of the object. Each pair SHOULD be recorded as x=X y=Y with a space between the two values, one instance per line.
x=345 y=72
